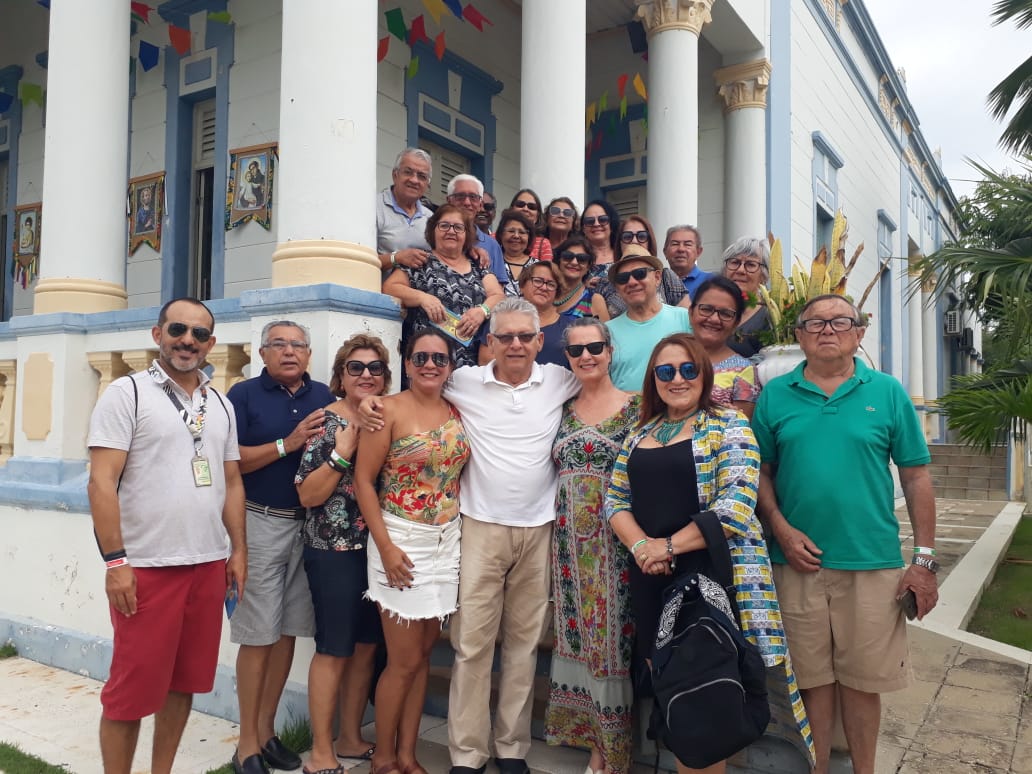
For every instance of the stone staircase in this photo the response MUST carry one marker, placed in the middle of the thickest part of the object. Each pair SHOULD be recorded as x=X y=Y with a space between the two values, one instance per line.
x=962 y=473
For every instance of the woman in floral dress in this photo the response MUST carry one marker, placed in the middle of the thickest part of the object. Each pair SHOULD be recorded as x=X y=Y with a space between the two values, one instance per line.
x=591 y=697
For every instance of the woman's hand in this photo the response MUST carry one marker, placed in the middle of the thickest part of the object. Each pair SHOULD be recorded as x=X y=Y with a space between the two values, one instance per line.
x=433 y=307
x=397 y=566
x=653 y=557
x=470 y=322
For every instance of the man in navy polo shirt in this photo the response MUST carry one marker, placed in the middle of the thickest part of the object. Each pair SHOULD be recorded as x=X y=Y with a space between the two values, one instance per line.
x=276 y=412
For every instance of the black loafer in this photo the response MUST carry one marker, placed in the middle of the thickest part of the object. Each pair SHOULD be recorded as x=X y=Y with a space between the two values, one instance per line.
x=512 y=766
x=279 y=756
x=252 y=764
x=467 y=770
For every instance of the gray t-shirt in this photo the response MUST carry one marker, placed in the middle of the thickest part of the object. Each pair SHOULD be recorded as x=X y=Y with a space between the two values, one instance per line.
x=395 y=230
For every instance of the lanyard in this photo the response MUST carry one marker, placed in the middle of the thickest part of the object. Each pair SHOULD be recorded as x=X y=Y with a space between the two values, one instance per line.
x=194 y=425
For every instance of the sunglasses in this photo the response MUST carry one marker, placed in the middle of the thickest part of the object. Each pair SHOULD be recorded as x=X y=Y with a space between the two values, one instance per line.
x=506 y=338
x=357 y=367
x=666 y=373
x=591 y=220
x=419 y=359
x=630 y=236
x=572 y=257
x=623 y=277
x=594 y=348
x=486 y=207
x=566 y=212
x=200 y=333
x=520 y=204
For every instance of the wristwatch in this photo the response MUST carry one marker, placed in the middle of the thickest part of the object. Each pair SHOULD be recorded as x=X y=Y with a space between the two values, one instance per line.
x=925 y=561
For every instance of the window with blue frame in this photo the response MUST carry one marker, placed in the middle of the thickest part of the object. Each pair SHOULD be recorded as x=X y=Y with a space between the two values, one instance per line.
x=886 y=247
x=826 y=163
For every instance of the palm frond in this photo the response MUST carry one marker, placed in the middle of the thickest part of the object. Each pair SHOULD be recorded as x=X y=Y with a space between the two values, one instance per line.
x=984 y=408
x=1018 y=10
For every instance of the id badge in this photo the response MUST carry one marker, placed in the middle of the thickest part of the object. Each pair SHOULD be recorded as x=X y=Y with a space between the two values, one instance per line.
x=201 y=471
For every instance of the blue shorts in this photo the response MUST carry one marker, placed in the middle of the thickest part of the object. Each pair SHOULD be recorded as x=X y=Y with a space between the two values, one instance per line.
x=343 y=617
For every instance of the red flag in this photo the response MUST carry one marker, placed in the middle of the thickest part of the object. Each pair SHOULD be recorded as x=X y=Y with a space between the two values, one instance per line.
x=598 y=141
x=417 y=32
x=439 y=45
x=474 y=17
x=381 y=49
x=621 y=84
x=141 y=10
x=180 y=39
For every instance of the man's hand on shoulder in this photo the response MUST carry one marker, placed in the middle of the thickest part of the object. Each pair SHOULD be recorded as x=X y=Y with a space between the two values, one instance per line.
x=801 y=552
x=481 y=256
x=370 y=412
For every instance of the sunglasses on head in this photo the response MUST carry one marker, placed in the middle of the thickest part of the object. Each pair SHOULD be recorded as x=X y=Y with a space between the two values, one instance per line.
x=200 y=333
x=520 y=204
x=591 y=220
x=357 y=367
x=419 y=359
x=630 y=236
x=623 y=277
x=666 y=373
x=572 y=257
x=594 y=348
x=506 y=338
x=566 y=212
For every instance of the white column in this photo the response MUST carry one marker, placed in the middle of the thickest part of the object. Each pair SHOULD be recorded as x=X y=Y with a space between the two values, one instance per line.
x=83 y=236
x=326 y=179
x=673 y=28
x=743 y=88
x=553 y=73
x=930 y=337
x=915 y=342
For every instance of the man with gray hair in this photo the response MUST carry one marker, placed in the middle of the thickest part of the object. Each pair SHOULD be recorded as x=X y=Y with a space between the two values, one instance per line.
x=276 y=413
x=467 y=192
x=401 y=216
x=682 y=249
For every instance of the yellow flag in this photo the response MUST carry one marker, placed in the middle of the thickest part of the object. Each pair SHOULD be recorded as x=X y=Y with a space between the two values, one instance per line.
x=436 y=8
x=639 y=86
x=589 y=117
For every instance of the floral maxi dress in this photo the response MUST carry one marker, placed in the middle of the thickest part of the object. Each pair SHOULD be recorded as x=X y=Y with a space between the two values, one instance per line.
x=590 y=697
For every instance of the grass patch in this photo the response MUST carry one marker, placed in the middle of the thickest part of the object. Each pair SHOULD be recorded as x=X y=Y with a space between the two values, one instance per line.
x=7 y=650
x=1005 y=611
x=296 y=734
x=14 y=761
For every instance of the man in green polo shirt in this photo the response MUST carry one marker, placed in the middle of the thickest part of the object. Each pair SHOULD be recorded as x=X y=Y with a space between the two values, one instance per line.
x=827 y=432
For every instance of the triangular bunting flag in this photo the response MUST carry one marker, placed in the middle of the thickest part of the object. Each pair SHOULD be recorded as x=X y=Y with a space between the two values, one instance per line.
x=381 y=48
x=598 y=141
x=396 y=24
x=222 y=17
x=639 y=86
x=180 y=39
x=30 y=92
x=621 y=85
x=623 y=108
x=44 y=3
x=417 y=32
x=611 y=130
x=148 y=55
x=413 y=67
x=435 y=8
x=6 y=100
x=474 y=17
x=589 y=116
x=141 y=11
x=439 y=45
x=603 y=102
x=455 y=6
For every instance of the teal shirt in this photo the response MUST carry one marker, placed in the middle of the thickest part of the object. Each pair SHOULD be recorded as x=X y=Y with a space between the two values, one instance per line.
x=831 y=458
x=633 y=343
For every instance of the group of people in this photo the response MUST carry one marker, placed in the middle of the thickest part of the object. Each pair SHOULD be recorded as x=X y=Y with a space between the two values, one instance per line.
x=570 y=403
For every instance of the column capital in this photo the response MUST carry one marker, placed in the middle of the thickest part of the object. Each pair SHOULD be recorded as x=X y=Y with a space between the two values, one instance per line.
x=743 y=85
x=661 y=15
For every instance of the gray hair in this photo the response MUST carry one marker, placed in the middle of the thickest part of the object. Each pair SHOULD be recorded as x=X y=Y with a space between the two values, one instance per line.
x=285 y=324
x=420 y=154
x=588 y=322
x=682 y=227
x=750 y=246
x=515 y=305
x=465 y=179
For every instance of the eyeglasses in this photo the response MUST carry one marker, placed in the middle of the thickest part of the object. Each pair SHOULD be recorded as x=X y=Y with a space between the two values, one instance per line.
x=571 y=257
x=422 y=177
x=594 y=348
x=566 y=212
x=281 y=344
x=458 y=228
x=531 y=205
x=488 y=206
x=200 y=333
x=473 y=197
x=521 y=232
x=591 y=220
x=708 y=310
x=357 y=367
x=541 y=282
x=623 y=277
x=751 y=267
x=630 y=236
x=675 y=243
x=419 y=359
x=666 y=373
x=506 y=338
x=817 y=325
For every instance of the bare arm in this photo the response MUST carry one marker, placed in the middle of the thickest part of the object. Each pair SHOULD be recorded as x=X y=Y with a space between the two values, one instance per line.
x=599 y=308
x=920 y=496
x=413 y=257
x=106 y=466
x=747 y=407
x=398 y=285
x=235 y=521
x=801 y=552
x=319 y=484
x=254 y=458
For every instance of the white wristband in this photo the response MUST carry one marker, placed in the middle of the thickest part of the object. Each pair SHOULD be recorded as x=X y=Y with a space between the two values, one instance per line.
x=281 y=447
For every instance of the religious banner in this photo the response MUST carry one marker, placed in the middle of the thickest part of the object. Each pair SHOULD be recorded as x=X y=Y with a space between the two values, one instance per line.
x=146 y=211
x=27 y=227
x=249 y=192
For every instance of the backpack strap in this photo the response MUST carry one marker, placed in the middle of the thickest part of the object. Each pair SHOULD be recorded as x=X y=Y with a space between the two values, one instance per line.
x=716 y=544
x=220 y=401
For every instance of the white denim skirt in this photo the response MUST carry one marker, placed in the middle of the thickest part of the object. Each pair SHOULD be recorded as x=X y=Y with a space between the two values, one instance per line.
x=434 y=552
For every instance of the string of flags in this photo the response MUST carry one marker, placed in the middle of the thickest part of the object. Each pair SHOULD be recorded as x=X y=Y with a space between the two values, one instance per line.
x=416 y=32
x=594 y=111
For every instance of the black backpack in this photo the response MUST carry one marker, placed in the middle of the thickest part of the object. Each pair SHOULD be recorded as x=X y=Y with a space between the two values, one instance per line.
x=709 y=680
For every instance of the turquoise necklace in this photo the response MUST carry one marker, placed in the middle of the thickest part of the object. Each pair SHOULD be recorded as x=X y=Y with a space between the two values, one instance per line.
x=667 y=431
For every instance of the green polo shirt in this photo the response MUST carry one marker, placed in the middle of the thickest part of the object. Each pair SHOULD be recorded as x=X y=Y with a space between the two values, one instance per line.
x=831 y=457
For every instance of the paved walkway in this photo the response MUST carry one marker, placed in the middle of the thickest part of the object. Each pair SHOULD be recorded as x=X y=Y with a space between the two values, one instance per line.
x=968 y=710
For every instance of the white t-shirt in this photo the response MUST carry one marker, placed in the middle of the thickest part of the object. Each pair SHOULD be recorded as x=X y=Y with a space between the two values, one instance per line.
x=510 y=478
x=166 y=519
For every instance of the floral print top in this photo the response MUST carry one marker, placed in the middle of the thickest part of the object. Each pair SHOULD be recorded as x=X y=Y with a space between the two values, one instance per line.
x=734 y=379
x=420 y=477
x=337 y=524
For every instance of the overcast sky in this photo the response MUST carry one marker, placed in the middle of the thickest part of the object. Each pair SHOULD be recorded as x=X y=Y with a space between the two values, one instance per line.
x=953 y=57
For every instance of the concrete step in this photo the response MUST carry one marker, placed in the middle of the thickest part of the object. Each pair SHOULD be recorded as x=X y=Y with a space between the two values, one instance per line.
x=965 y=493
x=957 y=450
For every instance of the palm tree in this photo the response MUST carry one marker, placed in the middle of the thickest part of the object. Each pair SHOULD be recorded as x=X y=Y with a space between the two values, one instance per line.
x=1016 y=87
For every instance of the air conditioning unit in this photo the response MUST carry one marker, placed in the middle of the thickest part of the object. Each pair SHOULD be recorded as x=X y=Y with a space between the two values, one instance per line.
x=967 y=339
x=951 y=323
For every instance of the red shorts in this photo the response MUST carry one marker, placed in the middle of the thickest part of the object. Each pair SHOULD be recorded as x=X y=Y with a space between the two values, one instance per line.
x=171 y=644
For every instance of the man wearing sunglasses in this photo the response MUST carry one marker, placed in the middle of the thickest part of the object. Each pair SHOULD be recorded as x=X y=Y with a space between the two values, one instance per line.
x=486 y=213
x=165 y=490
x=276 y=413
x=636 y=275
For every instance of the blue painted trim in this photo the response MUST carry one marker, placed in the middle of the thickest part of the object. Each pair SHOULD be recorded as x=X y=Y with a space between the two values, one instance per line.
x=779 y=129
x=323 y=297
x=178 y=12
x=10 y=76
x=823 y=144
x=884 y=217
x=223 y=38
x=41 y=482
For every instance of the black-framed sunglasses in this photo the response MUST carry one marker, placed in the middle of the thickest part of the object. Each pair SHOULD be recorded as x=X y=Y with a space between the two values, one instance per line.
x=357 y=367
x=199 y=332
x=666 y=373
x=594 y=348
x=419 y=359
x=506 y=338
x=623 y=277
x=571 y=257
x=488 y=206
x=591 y=220
x=630 y=236
x=520 y=204
x=566 y=212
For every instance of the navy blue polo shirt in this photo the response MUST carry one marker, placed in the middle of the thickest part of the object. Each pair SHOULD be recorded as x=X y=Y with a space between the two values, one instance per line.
x=265 y=410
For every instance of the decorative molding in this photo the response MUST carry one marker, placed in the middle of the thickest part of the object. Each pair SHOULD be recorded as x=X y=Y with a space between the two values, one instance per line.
x=109 y=365
x=227 y=361
x=821 y=143
x=9 y=374
x=661 y=15
x=139 y=359
x=744 y=85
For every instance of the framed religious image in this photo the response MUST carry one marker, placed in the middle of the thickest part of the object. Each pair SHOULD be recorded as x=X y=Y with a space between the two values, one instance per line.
x=27 y=229
x=146 y=211
x=249 y=192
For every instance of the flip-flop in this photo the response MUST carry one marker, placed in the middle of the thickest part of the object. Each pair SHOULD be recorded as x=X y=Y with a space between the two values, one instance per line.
x=366 y=756
x=338 y=770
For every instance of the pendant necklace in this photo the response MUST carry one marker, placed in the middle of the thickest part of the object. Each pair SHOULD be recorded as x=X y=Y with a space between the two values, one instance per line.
x=568 y=296
x=667 y=431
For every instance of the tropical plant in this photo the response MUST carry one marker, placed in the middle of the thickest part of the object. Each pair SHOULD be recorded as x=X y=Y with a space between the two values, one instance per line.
x=1016 y=88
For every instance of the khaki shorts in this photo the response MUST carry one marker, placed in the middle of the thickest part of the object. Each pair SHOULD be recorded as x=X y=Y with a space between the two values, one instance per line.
x=844 y=626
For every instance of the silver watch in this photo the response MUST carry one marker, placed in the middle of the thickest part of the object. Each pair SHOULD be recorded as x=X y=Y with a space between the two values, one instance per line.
x=921 y=560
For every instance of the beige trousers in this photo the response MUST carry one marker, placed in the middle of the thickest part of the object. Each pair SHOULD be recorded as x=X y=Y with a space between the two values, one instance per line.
x=504 y=581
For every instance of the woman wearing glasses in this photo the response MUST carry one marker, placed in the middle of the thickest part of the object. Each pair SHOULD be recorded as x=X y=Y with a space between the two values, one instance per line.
x=689 y=455
x=716 y=310
x=514 y=235
x=347 y=626
x=407 y=486
x=590 y=696
x=529 y=203
x=560 y=220
x=449 y=291
x=746 y=263
x=575 y=297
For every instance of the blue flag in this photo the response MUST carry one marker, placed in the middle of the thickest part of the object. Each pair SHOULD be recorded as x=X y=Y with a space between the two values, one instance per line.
x=148 y=55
